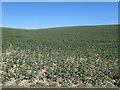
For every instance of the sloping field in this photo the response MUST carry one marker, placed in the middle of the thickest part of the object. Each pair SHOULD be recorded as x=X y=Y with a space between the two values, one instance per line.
x=78 y=56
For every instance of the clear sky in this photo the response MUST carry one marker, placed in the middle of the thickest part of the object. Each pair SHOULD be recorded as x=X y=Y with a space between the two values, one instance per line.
x=58 y=14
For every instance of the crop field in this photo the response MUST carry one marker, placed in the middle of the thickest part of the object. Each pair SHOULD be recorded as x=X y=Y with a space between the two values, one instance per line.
x=78 y=56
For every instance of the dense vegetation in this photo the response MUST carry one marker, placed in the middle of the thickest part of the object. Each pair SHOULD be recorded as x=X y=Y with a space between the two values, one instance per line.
x=60 y=57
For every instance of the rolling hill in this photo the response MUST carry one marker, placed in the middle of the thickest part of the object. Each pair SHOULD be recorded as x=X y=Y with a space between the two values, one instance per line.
x=77 y=56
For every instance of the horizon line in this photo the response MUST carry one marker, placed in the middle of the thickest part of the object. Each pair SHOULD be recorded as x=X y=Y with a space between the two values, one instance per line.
x=59 y=26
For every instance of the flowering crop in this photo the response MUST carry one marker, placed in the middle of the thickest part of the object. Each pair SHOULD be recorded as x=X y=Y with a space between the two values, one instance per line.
x=60 y=57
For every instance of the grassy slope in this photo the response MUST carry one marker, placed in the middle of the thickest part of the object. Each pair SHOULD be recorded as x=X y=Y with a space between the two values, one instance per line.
x=58 y=35
x=95 y=45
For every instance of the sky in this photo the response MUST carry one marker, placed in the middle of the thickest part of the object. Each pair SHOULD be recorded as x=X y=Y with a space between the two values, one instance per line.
x=58 y=14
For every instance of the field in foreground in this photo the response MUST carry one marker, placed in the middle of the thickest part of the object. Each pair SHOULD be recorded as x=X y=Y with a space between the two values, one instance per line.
x=60 y=57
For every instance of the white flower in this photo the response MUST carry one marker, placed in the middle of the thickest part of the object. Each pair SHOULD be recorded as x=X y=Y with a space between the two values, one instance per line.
x=12 y=82
x=24 y=83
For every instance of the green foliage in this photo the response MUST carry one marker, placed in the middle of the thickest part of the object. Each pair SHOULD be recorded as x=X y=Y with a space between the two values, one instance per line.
x=66 y=57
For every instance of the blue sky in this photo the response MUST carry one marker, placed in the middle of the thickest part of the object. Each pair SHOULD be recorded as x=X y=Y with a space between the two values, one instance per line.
x=58 y=14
